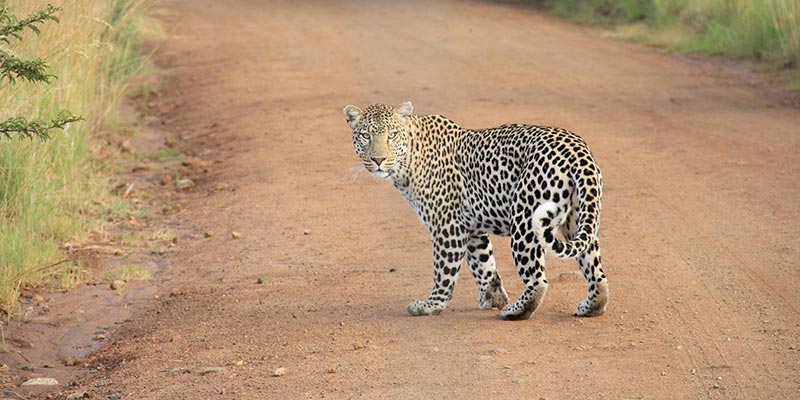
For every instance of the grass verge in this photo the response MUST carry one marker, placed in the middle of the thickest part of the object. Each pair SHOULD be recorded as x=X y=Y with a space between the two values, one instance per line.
x=764 y=30
x=52 y=192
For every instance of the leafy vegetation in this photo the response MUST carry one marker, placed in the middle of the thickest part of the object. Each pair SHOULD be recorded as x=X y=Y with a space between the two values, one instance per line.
x=34 y=70
x=764 y=30
x=52 y=192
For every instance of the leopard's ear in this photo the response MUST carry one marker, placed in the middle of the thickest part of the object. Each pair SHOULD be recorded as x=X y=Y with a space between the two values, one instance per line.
x=403 y=111
x=352 y=114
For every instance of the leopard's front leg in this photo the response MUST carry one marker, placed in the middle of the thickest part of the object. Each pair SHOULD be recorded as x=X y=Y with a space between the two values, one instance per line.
x=448 y=252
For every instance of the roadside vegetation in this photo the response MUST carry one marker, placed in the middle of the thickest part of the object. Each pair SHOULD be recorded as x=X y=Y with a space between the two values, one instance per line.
x=764 y=30
x=54 y=191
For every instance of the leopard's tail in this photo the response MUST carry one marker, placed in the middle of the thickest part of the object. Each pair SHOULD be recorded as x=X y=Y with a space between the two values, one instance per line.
x=547 y=218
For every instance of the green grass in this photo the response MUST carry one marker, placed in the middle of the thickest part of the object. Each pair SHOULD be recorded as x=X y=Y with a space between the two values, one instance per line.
x=128 y=273
x=52 y=192
x=165 y=154
x=598 y=11
x=764 y=30
x=121 y=208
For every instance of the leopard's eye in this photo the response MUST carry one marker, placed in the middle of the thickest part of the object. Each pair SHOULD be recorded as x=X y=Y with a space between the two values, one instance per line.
x=392 y=134
x=363 y=136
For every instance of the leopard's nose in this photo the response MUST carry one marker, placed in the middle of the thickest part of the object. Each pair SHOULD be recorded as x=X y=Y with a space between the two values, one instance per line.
x=378 y=160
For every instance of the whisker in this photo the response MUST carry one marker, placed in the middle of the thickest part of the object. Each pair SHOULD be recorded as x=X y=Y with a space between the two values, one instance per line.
x=355 y=172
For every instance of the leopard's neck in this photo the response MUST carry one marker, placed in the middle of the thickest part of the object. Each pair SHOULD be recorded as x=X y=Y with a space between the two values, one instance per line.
x=432 y=143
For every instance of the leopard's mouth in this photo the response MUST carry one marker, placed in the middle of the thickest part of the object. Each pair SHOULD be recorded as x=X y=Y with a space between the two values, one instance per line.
x=380 y=171
x=382 y=174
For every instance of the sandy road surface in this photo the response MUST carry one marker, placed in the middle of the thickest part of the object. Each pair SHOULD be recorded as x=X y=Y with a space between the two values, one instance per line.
x=699 y=225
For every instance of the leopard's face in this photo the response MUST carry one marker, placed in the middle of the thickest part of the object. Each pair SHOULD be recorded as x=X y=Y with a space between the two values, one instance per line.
x=381 y=137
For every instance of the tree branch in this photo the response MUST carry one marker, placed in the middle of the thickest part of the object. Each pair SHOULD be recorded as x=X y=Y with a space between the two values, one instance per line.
x=22 y=128
x=12 y=68
x=11 y=26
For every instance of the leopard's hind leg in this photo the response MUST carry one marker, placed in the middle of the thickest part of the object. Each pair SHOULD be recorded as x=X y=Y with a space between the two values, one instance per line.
x=596 y=300
x=484 y=270
x=529 y=259
x=590 y=265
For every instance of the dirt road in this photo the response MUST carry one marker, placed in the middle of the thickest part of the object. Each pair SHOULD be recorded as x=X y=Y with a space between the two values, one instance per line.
x=698 y=229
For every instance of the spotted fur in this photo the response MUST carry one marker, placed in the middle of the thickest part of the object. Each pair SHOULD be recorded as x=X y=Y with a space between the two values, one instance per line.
x=523 y=181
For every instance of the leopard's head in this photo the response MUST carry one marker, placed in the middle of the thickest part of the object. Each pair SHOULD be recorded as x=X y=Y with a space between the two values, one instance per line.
x=381 y=136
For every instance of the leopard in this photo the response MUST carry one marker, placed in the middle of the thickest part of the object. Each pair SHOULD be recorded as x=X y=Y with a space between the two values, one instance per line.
x=538 y=185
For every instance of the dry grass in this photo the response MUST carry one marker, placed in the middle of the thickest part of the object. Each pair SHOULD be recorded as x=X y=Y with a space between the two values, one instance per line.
x=51 y=192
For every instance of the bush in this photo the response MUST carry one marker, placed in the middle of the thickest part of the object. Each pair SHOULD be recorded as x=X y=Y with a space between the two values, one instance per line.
x=50 y=192
x=764 y=30
x=34 y=70
x=599 y=11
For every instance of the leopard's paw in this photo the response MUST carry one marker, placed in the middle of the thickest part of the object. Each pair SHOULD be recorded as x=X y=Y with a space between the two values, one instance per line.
x=516 y=311
x=493 y=297
x=596 y=303
x=426 y=307
x=588 y=308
